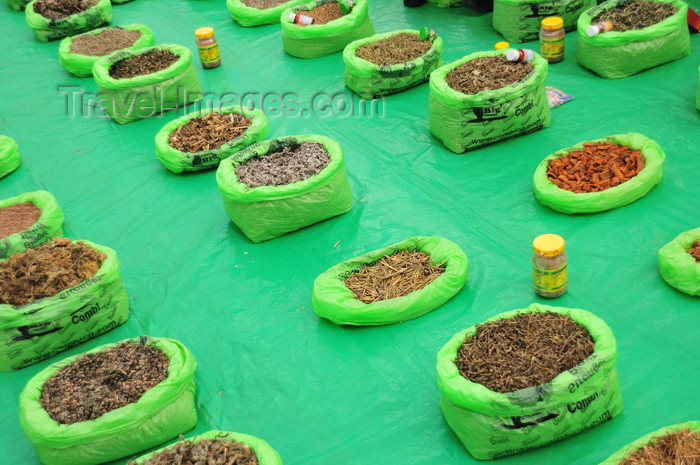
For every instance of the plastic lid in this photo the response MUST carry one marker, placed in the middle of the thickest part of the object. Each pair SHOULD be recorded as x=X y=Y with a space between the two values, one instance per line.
x=548 y=245
x=592 y=31
x=346 y=7
x=204 y=32
x=501 y=45
x=512 y=55
x=425 y=33
x=553 y=22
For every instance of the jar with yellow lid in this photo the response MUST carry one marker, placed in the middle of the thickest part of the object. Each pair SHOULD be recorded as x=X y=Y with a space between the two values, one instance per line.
x=549 y=266
x=208 y=47
x=552 y=39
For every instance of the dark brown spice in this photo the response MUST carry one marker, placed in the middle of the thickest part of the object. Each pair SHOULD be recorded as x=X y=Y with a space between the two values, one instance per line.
x=596 y=167
x=56 y=9
x=487 y=73
x=104 y=43
x=694 y=251
x=292 y=164
x=145 y=63
x=526 y=350
x=47 y=270
x=634 y=15
x=394 y=275
x=325 y=13
x=677 y=448
x=263 y=4
x=208 y=132
x=100 y=382
x=221 y=451
x=17 y=217
x=393 y=50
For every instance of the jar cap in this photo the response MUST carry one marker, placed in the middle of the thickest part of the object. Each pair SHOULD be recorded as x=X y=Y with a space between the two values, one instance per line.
x=346 y=7
x=501 y=45
x=204 y=32
x=548 y=245
x=512 y=55
x=426 y=33
x=553 y=22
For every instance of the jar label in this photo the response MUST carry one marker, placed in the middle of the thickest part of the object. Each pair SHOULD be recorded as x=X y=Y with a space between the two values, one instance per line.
x=550 y=280
x=209 y=54
x=552 y=48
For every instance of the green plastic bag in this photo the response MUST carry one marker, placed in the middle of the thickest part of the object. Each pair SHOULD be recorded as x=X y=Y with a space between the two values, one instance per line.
x=678 y=268
x=48 y=226
x=47 y=29
x=266 y=212
x=163 y=412
x=315 y=41
x=492 y=424
x=447 y=3
x=264 y=452
x=617 y=54
x=650 y=438
x=9 y=156
x=520 y=20
x=131 y=99
x=565 y=201
x=248 y=16
x=368 y=80
x=333 y=300
x=18 y=5
x=179 y=162
x=39 y=330
x=81 y=65
x=466 y=122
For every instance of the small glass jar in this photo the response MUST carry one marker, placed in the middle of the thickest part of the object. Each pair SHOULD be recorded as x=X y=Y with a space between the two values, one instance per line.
x=549 y=266
x=208 y=47
x=552 y=39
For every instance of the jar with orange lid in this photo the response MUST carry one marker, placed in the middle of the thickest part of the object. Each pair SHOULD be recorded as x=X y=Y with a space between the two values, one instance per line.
x=549 y=266
x=552 y=39
x=208 y=47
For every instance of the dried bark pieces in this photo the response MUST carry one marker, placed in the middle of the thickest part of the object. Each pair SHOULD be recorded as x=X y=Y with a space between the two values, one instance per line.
x=694 y=251
x=286 y=167
x=145 y=63
x=208 y=132
x=487 y=73
x=393 y=50
x=597 y=167
x=635 y=15
x=55 y=9
x=677 y=448
x=325 y=13
x=205 y=452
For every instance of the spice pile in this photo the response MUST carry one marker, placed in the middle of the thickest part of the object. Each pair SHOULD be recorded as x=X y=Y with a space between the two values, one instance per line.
x=394 y=275
x=527 y=350
x=292 y=164
x=678 y=448
x=263 y=4
x=145 y=63
x=208 y=132
x=46 y=271
x=596 y=167
x=100 y=382
x=104 y=43
x=393 y=50
x=634 y=15
x=694 y=251
x=204 y=452
x=325 y=13
x=487 y=73
x=56 y=9
x=17 y=217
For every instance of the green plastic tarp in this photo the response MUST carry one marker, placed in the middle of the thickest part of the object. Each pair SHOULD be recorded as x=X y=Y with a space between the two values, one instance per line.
x=368 y=80
x=47 y=29
x=178 y=161
x=492 y=424
x=248 y=16
x=48 y=226
x=45 y=327
x=317 y=40
x=521 y=21
x=9 y=156
x=466 y=122
x=678 y=268
x=616 y=54
x=264 y=452
x=266 y=212
x=131 y=99
x=162 y=412
x=81 y=65
x=650 y=438
x=18 y=5
x=565 y=201
x=333 y=300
